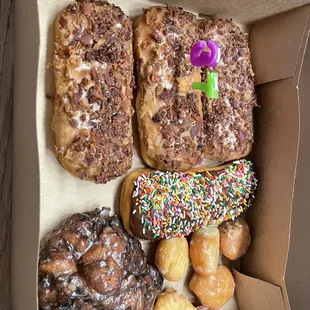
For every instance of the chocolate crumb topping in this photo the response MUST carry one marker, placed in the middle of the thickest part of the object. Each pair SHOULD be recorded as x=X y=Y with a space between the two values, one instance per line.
x=228 y=120
x=94 y=80
x=165 y=71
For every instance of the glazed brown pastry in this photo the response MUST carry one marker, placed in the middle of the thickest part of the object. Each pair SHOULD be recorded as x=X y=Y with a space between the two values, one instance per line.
x=158 y=205
x=204 y=250
x=90 y=262
x=93 y=66
x=228 y=120
x=213 y=290
x=169 y=111
x=235 y=238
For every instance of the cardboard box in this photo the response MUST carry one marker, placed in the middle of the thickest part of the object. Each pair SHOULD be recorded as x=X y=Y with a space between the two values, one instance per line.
x=280 y=253
x=274 y=274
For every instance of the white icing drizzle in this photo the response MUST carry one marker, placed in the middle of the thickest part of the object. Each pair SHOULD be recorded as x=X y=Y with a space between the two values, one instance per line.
x=173 y=34
x=79 y=72
x=224 y=128
x=95 y=106
x=82 y=124
x=231 y=139
x=97 y=65
x=164 y=74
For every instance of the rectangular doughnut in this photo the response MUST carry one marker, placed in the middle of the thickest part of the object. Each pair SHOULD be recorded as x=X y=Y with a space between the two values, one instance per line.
x=93 y=67
x=169 y=112
x=228 y=120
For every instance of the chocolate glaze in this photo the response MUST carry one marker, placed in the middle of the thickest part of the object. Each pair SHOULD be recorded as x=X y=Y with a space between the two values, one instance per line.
x=135 y=223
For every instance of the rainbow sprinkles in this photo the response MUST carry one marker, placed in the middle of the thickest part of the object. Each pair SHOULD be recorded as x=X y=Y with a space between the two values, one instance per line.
x=174 y=204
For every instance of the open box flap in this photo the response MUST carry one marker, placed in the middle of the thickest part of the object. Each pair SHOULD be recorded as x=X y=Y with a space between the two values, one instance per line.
x=285 y=179
x=277 y=45
x=254 y=294
x=275 y=155
x=298 y=271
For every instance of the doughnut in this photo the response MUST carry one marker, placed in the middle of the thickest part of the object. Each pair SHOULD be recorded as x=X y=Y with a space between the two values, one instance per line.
x=228 y=120
x=235 y=238
x=93 y=68
x=169 y=111
x=171 y=300
x=90 y=262
x=204 y=250
x=161 y=205
x=213 y=290
x=172 y=258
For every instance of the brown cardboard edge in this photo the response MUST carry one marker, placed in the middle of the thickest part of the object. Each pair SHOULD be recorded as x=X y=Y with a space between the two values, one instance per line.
x=26 y=183
x=255 y=294
x=297 y=277
x=303 y=49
